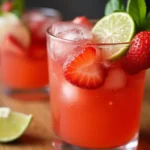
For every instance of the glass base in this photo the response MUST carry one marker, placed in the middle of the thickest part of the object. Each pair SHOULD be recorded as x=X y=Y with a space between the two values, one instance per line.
x=60 y=145
x=27 y=94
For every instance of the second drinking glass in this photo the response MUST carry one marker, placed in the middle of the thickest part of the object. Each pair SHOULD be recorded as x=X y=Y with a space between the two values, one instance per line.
x=24 y=71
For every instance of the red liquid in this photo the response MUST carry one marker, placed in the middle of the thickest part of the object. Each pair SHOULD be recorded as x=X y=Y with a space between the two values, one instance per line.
x=100 y=118
x=25 y=72
x=29 y=71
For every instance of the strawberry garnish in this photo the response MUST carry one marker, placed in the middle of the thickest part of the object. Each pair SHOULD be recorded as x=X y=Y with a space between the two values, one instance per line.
x=7 y=6
x=11 y=44
x=82 y=20
x=81 y=69
x=138 y=56
x=16 y=7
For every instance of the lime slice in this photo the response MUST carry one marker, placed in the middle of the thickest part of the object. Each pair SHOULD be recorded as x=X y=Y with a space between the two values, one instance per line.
x=11 y=24
x=12 y=124
x=10 y=18
x=117 y=27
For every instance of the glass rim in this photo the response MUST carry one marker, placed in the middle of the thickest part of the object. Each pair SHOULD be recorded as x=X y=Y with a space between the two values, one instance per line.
x=49 y=34
x=46 y=10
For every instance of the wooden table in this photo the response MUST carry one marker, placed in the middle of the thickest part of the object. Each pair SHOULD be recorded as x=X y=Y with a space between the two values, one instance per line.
x=38 y=135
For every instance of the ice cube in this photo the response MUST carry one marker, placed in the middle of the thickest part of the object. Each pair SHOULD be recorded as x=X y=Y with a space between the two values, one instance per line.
x=70 y=94
x=71 y=31
x=32 y=16
x=73 y=35
x=59 y=49
x=38 y=23
x=116 y=79
x=68 y=31
x=35 y=21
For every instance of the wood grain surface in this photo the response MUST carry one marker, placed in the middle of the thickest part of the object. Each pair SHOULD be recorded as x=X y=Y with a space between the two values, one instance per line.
x=38 y=135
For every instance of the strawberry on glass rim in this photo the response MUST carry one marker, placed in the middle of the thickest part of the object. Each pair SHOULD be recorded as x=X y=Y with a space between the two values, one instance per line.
x=82 y=20
x=138 y=55
x=7 y=6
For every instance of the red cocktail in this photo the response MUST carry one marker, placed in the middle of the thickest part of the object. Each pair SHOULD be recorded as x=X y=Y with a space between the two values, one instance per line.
x=98 y=101
x=24 y=67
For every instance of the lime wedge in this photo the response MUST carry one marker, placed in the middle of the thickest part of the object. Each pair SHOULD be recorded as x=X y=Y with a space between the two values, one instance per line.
x=12 y=124
x=10 y=18
x=117 y=27
x=11 y=24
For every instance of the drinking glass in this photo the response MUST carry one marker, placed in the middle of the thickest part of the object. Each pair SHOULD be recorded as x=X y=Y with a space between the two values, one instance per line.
x=25 y=77
x=107 y=117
